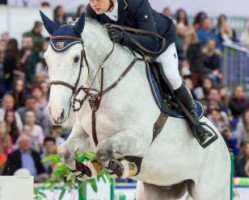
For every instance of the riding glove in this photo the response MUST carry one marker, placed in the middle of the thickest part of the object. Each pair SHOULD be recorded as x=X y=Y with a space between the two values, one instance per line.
x=116 y=35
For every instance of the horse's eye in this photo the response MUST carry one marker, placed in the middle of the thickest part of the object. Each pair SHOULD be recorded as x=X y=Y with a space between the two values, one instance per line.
x=76 y=59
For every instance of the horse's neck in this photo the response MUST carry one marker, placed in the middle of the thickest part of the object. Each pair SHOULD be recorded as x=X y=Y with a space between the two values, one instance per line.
x=98 y=46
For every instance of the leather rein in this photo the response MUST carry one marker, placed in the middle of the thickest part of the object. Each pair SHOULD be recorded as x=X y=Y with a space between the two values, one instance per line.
x=93 y=96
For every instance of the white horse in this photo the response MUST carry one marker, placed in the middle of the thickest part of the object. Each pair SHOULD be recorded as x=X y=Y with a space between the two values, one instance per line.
x=172 y=164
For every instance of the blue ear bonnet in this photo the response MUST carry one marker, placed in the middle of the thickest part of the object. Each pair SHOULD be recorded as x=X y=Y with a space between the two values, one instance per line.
x=74 y=31
x=60 y=45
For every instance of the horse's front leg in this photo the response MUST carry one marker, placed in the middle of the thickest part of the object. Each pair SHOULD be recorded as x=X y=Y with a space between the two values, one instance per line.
x=77 y=142
x=112 y=152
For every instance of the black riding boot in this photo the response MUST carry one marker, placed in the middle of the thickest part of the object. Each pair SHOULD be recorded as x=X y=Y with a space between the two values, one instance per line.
x=203 y=135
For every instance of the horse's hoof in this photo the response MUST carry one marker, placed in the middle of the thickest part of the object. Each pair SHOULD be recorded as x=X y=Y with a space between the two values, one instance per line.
x=116 y=167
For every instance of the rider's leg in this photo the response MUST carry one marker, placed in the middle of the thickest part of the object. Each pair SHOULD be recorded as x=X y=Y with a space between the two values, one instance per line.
x=169 y=61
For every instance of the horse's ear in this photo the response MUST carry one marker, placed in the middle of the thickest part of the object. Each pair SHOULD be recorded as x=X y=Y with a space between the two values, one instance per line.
x=79 y=26
x=48 y=23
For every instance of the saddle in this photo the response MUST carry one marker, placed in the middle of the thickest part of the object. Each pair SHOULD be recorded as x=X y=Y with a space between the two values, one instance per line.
x=162 y=92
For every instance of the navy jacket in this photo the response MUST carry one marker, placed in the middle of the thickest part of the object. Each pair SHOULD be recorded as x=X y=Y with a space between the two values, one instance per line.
x=139 y=14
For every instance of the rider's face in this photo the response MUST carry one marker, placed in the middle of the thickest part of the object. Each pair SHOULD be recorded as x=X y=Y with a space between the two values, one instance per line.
x=100 y=6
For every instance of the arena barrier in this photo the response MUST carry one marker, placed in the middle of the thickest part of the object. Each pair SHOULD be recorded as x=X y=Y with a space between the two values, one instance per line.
x=235 y=66
x=15 y=187
x=21 y=188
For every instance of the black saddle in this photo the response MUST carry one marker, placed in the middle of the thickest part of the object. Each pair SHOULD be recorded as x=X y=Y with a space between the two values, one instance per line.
x=162 y=92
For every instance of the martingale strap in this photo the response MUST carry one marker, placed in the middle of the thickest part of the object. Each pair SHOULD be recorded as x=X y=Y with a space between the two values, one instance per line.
x=159 y=124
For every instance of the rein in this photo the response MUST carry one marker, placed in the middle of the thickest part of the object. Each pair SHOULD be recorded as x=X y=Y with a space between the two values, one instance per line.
x=124 y=29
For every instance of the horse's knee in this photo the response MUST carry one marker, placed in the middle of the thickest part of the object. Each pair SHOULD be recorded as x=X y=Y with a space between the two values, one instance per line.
x=64 y=153
x=104 y=152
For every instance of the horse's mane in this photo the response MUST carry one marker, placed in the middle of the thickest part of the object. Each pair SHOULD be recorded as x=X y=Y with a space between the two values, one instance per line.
x=96 y=24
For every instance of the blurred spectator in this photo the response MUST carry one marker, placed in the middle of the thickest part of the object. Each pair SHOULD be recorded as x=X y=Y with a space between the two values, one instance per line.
x=243 y=128
x=242 y=161
x=5 y=37
x=180 y=40
x=224 y=99
x=238 y=102
x=29 y=59
x=214 y=95
x=2 y=86
x=185 y=68
x=18 y=92
x=12 y=128
x=226 y=34
x=56 y=132
x=81 y=9
x=189 y=82
x=199 y=20
x=220 y=22
x=11 y=63
x=221 y=123
x=45 y=89
x=36 y=35
x=41 y=67
x=244 y=38
x=6 y=146
x=203 y=91
x=41 y=100
x=45 y=4
x=36 y=130
x=49 y=148
x=206 y=33
x=60 y=15
x=195 y=57
x=167 y=11
x=182 y=17
x=8 y=104
x=34 y=144
x=212 y=60
x=24 y=157
x=30 y=106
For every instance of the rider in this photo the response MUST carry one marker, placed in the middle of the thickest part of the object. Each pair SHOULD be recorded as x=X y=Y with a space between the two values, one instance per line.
x=139 y=14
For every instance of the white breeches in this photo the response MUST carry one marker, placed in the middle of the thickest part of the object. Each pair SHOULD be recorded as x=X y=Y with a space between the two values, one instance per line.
x=169 y=61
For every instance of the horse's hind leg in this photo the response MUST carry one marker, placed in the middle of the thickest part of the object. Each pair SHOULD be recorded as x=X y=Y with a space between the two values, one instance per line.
x=152 y=192
x=208 y=190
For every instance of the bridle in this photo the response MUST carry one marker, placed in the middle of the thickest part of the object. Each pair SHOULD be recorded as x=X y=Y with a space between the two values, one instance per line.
x=93 y=96
x=82 y=57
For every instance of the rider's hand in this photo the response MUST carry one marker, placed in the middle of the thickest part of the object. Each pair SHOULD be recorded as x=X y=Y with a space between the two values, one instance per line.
x=115 y=35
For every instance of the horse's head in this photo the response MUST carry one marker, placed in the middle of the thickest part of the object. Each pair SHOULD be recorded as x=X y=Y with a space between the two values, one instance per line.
x=64 y=57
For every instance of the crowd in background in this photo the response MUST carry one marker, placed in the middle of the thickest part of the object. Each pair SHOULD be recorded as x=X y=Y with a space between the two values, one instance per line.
x=26 y=131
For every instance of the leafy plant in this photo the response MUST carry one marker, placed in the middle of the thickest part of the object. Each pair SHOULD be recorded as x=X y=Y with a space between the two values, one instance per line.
x=64 y=178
